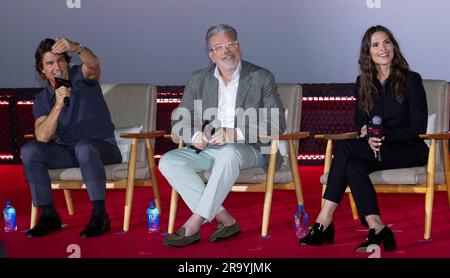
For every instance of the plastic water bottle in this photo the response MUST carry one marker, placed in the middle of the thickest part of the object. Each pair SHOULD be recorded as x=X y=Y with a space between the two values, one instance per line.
x=301 y=222
x=9 y=215
x=152 y=218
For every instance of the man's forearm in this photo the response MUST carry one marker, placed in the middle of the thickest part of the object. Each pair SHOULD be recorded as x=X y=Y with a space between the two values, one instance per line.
x=88 y=58
x=45 y=130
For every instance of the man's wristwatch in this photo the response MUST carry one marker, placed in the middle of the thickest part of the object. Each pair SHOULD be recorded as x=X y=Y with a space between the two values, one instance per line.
x=81 y=47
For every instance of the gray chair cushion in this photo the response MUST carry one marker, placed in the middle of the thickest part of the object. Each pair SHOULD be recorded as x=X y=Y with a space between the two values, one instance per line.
x=132 y=105
x=257 y=175
x=406 y=176
x=438 y=103
x=113 y=172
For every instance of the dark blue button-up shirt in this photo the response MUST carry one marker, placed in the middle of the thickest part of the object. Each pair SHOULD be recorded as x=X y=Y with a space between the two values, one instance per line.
x=86 y=117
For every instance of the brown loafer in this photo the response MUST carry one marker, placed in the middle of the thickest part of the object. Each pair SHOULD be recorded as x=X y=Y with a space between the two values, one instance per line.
x=223 y=232
x=178 y=239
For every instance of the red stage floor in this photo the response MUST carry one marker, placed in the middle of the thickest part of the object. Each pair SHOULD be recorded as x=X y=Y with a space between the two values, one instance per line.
x=404 y=212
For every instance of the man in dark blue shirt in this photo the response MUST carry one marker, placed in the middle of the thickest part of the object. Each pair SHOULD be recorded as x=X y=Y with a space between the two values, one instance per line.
x=76 y=117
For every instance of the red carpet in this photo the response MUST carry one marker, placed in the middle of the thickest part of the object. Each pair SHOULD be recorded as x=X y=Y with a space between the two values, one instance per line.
x=405 y=212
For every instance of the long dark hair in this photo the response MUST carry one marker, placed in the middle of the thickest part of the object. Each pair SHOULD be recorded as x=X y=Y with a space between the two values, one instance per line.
x=399 y=69
x=46 y=46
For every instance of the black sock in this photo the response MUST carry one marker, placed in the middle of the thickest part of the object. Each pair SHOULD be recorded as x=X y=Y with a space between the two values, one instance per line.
x=98 y=208
x=48 y=209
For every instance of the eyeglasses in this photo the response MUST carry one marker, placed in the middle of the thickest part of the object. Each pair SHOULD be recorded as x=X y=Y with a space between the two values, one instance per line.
x=221 y=47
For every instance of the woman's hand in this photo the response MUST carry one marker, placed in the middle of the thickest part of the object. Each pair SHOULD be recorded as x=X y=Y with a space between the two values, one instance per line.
x=375 y=144
x=363 y=131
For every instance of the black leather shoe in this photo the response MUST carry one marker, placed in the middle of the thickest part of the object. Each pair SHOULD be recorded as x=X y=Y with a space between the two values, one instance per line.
x=97 y=226
x=385 y=237
x=318 y=235
x=45 y=225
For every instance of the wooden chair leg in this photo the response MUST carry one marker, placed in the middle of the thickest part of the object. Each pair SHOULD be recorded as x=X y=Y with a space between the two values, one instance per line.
x=355 y=213
x=69 y=201
x=269 y=188
x=130 y=185
x=429 y=195
x=152 y=169
x=446 y=167
x=173 y=211
x=34 y=211
x=295 y=175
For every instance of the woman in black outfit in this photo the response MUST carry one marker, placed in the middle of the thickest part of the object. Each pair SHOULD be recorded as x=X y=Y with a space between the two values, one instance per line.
x=389 y=89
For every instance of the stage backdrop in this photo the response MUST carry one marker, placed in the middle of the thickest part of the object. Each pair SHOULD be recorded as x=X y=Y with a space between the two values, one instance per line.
x=162 y=41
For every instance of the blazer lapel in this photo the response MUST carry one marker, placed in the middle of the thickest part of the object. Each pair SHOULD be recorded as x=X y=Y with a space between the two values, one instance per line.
x=243 y=87
x=211 y=91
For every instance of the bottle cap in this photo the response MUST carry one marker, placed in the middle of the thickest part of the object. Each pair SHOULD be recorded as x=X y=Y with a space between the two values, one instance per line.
x=8 y=203
x=151 y=203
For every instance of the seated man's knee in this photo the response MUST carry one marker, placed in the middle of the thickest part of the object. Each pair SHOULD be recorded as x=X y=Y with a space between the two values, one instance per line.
x=30 y=150
x=85 y=150
x=170 y=160
x=229 y=153
x=164 y=164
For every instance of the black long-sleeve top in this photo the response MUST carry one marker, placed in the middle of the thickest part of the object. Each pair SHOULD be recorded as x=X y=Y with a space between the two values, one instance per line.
x=401 y=121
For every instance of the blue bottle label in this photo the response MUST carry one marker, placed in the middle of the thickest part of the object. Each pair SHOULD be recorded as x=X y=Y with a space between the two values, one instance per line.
x=9 y=216
x=152 y=220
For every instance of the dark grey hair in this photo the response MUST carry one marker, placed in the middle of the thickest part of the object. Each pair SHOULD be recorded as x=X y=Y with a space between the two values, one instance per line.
x=220 y=28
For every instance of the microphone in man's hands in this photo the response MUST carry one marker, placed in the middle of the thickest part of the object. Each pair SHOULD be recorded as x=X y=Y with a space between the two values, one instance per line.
x=375 y=129
x=59 y=81
x=208 y=129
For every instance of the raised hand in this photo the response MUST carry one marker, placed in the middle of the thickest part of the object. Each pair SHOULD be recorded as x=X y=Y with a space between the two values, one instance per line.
x=64 y=45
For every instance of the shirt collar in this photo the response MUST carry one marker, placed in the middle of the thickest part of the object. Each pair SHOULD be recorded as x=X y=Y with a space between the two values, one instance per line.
x=49 y=87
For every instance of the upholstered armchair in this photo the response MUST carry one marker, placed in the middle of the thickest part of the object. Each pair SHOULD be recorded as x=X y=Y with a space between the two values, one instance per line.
x=435 y=176
x=133 y=112
x=256 y=179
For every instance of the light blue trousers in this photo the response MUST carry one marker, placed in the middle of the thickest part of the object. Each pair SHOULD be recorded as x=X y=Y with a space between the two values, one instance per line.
x=181 y=168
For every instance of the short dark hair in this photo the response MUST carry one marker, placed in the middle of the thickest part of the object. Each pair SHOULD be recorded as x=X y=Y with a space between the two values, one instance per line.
x=46 y=46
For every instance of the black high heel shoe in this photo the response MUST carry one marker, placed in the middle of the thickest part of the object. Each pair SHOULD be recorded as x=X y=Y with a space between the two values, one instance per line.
x=385 y=237
x=318 y=235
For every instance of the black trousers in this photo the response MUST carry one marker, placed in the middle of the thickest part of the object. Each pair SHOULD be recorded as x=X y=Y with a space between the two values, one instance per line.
x=354 y=160
x=90 y=155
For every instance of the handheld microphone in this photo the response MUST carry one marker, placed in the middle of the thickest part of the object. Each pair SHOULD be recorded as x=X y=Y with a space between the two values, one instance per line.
x=210 y=127
x=375 y=129
x=63 y=82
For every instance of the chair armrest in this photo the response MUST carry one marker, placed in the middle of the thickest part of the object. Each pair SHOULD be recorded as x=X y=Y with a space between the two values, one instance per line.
x=29 y=136
x=342 y=136
x=174 y=139
x=168 y=136
x=145 y=135
x=439 y=136
x=287 y=136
